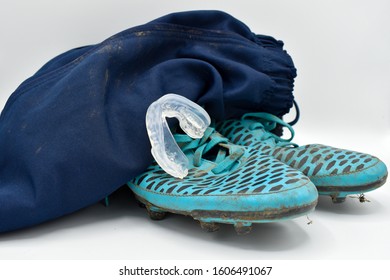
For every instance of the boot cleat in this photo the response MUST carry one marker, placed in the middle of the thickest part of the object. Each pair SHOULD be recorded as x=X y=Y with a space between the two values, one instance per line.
x=227 y=184
x=155 y=213
x=335 y=172
x=337 y=199
x=209 y=226
x=243 y=228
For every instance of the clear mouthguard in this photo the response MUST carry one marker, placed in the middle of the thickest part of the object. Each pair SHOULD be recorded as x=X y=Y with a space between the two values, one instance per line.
x=193 y=120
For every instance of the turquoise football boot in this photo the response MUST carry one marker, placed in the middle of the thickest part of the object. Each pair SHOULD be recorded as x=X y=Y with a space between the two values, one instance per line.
x=335 y=172
x=226 y=183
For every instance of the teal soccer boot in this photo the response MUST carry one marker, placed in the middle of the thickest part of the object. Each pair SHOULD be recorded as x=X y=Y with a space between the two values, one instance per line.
x=335 y=172
x=226 y=183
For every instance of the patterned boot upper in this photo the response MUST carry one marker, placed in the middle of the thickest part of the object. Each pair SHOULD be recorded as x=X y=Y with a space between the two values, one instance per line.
x=330 y=169
x=226 y=177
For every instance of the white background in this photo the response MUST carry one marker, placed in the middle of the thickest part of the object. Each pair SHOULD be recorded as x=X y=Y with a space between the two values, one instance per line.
x=341 y=50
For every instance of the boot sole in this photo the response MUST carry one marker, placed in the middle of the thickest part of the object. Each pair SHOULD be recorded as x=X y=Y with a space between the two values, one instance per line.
x=339 y=193
x=241 y=220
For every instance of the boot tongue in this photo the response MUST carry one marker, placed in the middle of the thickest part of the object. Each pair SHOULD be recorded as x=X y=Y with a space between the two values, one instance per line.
x=213 y=147
x=256 y=128
x=262 y=126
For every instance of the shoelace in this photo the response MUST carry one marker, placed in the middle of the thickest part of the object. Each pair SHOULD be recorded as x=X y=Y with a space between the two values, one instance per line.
x=203 y=145
x=266 y=123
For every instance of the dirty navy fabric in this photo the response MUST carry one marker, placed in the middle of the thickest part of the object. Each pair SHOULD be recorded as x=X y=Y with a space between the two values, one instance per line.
x=75 y=131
